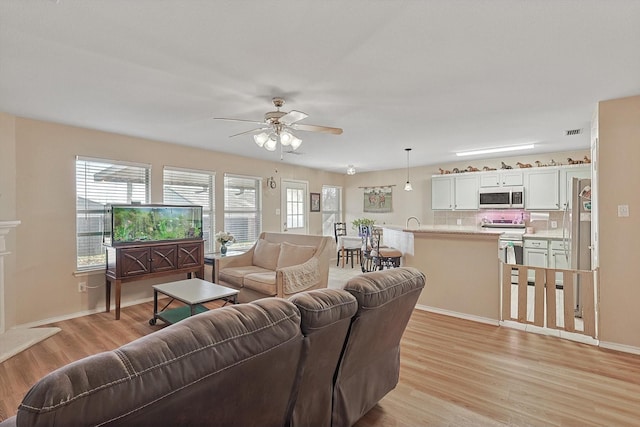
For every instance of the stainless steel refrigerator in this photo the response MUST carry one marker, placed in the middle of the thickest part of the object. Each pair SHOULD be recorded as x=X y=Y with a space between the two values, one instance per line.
x=580 y=237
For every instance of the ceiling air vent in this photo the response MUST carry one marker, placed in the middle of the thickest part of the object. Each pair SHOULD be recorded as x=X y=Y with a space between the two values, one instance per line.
x=571 y=132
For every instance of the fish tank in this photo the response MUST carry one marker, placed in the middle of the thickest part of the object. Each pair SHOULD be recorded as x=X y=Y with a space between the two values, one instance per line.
x=138 y=223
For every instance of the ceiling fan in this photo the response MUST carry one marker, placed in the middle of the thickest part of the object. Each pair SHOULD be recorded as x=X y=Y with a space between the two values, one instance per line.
x=277 y=126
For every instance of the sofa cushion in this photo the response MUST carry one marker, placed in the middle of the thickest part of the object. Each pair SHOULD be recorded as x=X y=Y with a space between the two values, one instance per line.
x=291 y=254
x=262 y=282
x=235 y=275
x=322 y=308
x=265 y=254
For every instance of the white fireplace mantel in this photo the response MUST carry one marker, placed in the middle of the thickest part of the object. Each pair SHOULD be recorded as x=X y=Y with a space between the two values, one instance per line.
x=17 y=339
x=5 y=228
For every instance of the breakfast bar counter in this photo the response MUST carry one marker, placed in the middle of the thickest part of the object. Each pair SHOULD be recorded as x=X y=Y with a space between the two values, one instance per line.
x=461 y=264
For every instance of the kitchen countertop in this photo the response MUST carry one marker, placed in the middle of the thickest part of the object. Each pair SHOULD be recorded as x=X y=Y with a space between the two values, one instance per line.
x=445 y=229
x=545 y=234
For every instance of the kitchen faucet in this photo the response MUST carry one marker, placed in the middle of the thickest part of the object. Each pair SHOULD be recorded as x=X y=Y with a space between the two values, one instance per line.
x=413 y=217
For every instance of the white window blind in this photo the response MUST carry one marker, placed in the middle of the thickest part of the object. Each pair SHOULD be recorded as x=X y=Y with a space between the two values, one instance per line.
x=190 y=187
x=331 y=208
x=98 y=183
x=242 y=209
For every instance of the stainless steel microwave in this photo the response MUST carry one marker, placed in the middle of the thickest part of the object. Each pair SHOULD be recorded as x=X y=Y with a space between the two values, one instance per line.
x=501 y=198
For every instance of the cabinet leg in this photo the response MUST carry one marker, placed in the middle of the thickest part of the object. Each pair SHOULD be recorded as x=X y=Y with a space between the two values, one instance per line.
x=118 y=290
x=108 y=296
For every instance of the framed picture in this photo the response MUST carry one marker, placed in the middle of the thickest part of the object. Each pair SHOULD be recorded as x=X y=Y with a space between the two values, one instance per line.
x=315 y=202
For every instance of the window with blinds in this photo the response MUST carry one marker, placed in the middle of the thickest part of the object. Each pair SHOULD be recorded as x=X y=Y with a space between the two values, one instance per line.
x=190 y=187
x=331 y=208
x=99 y=183
x=242 y=209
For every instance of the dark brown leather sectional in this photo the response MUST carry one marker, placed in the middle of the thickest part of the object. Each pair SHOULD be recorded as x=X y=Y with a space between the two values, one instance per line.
x=323 y=358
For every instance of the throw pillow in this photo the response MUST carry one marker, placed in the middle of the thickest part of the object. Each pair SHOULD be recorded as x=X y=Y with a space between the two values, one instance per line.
x=265 y=254
x=291 y=254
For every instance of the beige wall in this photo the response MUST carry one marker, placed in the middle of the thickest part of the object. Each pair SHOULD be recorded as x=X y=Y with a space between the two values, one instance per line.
x=619 y=178
x=44 y=285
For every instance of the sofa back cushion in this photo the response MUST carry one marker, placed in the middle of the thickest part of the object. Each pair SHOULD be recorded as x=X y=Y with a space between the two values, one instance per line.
x=291 y=254
x=266 y=254
x=174 y=376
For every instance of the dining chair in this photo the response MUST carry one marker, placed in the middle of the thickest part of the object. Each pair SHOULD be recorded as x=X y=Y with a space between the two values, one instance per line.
x=348 y=248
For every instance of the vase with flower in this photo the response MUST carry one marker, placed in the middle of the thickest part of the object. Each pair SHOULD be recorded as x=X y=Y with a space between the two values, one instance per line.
x=224 y=238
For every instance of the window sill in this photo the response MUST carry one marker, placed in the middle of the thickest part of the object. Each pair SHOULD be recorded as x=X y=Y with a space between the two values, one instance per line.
x=92 y=272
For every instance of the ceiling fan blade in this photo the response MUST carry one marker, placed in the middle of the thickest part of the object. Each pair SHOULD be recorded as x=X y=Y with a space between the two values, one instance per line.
x=292 y=116
x=315 y=128
x=249 y=131
x=238 y=120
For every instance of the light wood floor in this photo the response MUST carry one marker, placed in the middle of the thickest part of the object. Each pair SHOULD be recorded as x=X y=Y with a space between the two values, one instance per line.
x=454 y=373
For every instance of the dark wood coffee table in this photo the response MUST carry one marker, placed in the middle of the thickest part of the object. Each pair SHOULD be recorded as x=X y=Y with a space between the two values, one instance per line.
x=193 y=293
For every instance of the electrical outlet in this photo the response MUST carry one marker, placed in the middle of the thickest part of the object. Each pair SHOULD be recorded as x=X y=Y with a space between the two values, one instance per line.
x=623 y=211
x=459 y=221
x=82 y=286
x=554 y=224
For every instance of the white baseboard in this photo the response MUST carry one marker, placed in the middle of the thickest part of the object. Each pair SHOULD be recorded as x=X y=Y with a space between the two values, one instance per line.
x=620 y=347
x=550 y=332
x=85 y=313
x=465 y=316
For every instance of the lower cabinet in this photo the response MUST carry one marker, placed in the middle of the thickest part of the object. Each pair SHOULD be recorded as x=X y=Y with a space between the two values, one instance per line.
x=140 y=261
x=536 y=254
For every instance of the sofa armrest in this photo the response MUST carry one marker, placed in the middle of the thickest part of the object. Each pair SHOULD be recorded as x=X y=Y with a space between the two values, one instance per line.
x=298 y=278
x=231 y=261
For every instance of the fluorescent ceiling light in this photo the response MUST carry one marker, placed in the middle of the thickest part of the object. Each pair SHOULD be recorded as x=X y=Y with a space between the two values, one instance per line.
x=495 y=150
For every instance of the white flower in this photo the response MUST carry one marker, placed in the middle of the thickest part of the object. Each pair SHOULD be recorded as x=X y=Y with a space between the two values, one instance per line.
x=224 y=237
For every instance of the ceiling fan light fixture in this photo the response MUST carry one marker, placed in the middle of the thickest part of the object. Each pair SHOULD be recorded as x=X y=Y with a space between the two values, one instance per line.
x=351 y=170
x=261 y=138
x=295 y=142
x=286 y=138
x=271 y=144
x=408 y=186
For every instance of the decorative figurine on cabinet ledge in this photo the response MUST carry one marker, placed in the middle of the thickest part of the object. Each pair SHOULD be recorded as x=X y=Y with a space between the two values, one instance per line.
x=455 y=170
x=506 y=166
x=472 y=169
x=444 y=172
x=574 y=162
x=587 y=159
x=487 y=168
x=523 y=165
x=539 y=164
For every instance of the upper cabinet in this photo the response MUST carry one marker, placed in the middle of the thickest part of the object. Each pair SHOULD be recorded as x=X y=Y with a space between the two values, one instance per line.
x=459 y=192
x=502 y=178
x=542 y=189
x=545 y=188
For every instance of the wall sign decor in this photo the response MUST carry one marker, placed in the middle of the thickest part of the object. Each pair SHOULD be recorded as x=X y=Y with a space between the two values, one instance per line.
x=378 y=199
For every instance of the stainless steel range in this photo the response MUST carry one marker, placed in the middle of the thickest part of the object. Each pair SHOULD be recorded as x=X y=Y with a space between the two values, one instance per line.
x=512 y=237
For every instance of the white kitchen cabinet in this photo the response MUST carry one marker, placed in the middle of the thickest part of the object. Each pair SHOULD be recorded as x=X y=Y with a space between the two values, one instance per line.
x=442 y=188
x=466 y=192
x=567 y=174
x=536 y=254
x=454 y=192
x=542 y=189
x=502 y=178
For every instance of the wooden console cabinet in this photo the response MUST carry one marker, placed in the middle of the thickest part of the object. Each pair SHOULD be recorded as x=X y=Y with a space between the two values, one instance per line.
x=139 y=261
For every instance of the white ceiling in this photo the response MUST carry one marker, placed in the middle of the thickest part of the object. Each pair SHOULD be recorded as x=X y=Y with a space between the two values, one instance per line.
x=434 y=75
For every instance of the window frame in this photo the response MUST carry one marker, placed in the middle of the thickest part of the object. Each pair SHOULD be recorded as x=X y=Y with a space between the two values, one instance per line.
x=327 y=225
x=207 y=227
x=93 y=224
x=229 y=213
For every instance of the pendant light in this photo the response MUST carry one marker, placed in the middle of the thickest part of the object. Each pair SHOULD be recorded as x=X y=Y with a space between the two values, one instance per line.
x=408 y=186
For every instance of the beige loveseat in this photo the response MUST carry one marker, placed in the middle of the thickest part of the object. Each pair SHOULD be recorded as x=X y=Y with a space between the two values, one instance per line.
x=323 y=358
x=278 y=265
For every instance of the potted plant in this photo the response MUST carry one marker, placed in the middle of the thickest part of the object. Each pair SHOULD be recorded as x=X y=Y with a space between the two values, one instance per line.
x=356 y=223
x=224 y=237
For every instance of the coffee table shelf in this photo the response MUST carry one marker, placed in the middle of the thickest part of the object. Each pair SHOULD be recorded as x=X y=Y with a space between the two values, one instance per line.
x=193 y=293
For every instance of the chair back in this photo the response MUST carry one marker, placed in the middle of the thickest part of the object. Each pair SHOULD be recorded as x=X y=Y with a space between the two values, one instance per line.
x=370 y=363
x=339 y=229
